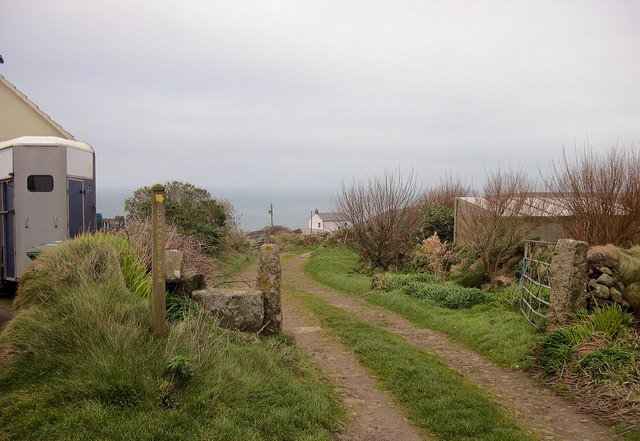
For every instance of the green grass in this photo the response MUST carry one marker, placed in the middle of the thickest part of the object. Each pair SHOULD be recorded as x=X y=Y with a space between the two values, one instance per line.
x=493 y=329
x=502 y=335
x=435 y=397
x=336 y=267
x=79 y=363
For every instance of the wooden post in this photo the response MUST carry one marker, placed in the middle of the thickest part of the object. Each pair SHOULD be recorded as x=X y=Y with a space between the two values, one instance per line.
x=159 y=308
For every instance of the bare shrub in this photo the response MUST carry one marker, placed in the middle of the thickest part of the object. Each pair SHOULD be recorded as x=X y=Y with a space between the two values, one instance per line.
x=195 y=255
x=447 y=190
x=384 y=217
x=493 y=225
x=601 y=193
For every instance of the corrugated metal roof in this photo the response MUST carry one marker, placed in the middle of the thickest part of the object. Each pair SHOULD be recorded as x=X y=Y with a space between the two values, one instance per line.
x=538 y=205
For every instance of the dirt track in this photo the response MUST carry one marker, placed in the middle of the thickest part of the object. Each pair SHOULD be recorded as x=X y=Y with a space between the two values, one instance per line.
x=533 y=406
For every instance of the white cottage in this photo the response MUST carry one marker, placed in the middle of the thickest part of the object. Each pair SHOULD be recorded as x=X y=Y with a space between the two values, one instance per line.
x=327 y=222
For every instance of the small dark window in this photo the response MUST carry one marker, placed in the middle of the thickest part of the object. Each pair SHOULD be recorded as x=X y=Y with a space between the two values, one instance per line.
x=40 y=183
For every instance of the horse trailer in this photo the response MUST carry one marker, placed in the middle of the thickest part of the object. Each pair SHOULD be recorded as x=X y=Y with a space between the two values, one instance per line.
x=47 y=194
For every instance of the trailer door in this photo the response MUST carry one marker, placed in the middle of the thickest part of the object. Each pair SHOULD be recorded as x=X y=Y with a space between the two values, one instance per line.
x=7 y=241
x=76 y=207
x=89 y=206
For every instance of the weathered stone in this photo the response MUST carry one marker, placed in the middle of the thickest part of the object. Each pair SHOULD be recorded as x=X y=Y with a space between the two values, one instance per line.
x=600 y=291
x=605 y=270
x=172 y=266
x=616 y=295
x=269 y=273
x=601 y=303
x=269 y=270
x=237 y=310
x=501 y=281
x=568 y=278
x=189 y=282
x=598 y=260
x=606 y=280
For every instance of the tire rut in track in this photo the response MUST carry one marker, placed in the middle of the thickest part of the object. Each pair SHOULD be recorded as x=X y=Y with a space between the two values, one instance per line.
x=531 y=404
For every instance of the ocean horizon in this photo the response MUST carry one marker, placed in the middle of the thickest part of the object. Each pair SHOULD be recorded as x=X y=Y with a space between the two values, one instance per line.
x=291 y=207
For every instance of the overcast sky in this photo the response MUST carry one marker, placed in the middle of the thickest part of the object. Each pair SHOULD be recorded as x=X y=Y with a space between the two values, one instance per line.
x=306 y=94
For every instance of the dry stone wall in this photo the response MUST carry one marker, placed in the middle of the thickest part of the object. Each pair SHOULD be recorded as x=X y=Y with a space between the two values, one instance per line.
x=604 y=286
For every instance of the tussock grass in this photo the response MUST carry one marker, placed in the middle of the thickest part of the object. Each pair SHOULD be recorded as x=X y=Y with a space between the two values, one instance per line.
x=597 y=358
x=78 y=362
x=445 y=294
x=436 y=398
x=493 y=329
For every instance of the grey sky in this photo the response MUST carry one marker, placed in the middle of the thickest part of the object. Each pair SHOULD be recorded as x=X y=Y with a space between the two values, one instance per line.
x=310 y=93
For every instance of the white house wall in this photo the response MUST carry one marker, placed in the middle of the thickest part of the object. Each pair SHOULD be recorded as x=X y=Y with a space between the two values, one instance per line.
x=316 y=223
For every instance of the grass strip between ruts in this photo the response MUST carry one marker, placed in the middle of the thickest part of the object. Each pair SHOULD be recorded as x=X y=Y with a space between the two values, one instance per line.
x=435 y=397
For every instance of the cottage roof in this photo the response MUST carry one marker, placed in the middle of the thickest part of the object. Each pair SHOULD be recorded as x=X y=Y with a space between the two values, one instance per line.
x=57 y=127
x=333 y=217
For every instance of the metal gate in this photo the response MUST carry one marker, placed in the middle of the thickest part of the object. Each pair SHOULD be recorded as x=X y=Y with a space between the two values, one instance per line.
x=534 y=281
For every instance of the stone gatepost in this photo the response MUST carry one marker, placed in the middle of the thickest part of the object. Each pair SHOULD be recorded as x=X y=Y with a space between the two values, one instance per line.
x=269 y=272
x=568 y=279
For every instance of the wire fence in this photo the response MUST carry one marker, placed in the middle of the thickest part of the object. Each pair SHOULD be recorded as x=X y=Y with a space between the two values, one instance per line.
x=534 y=282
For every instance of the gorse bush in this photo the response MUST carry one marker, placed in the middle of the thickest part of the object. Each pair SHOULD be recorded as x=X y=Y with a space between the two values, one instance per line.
x=191 y=209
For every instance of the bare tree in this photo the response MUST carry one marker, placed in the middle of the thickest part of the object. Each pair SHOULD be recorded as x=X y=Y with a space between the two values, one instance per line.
x=383 y=215
x=495 y=223
x=601 y=194
x=447 y=190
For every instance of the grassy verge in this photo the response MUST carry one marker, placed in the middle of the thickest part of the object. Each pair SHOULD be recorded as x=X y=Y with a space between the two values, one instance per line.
x=436 y=398
x=492 y=329
x=78 y=363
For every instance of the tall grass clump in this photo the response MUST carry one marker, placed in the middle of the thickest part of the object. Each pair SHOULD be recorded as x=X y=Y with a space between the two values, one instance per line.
x=78 y=362
x=428 y=286
x=134 y=270
x=598 y=359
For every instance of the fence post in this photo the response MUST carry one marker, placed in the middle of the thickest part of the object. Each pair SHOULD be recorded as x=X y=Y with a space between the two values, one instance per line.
x=159 y=308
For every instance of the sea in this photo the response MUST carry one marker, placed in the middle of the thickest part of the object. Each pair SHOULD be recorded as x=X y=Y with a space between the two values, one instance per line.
x=292 y=208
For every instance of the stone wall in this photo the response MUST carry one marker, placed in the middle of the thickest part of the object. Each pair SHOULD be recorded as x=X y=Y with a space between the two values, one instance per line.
x=582 y=279
x=604 y=286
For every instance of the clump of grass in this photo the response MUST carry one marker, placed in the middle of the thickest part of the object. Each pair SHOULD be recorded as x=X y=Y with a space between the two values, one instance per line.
x=597 y=358
x=611 y=325
x=429 y=286
x=84 y=366
x=135 y=272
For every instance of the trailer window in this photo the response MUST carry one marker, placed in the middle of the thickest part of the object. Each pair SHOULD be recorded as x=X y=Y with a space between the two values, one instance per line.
x=40 y=183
